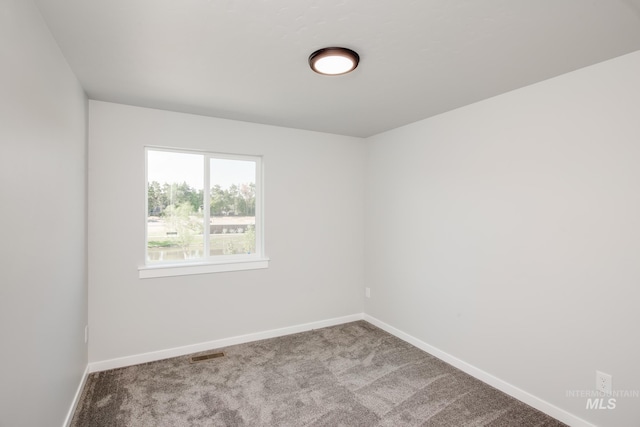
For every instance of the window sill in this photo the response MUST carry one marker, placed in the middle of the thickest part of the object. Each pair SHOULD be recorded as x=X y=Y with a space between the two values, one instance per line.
x=168 y=270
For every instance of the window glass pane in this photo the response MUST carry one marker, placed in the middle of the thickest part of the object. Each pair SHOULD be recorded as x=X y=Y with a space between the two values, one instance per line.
x=233 y=207
x=175 y=206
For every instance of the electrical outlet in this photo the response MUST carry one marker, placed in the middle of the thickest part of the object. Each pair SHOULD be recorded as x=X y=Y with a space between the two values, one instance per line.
x=367 y=292
x=86 y=334
x=603 y=382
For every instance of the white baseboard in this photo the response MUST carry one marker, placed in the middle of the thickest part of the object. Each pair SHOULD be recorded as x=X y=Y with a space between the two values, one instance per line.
x=209 y=345
x=76 y=398
x=511 y=390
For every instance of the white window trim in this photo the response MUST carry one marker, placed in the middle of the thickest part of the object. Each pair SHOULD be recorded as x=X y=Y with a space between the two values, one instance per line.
x=184 y=269
x=213 y=264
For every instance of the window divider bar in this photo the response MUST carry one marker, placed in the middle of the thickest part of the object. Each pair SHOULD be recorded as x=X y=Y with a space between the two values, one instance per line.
x=206 y=207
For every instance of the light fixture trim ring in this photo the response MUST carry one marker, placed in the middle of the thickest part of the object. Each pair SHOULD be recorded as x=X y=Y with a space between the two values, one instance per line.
x=341 y=52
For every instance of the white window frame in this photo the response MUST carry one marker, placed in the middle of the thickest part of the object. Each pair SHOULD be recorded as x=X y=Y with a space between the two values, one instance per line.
x=209 y=264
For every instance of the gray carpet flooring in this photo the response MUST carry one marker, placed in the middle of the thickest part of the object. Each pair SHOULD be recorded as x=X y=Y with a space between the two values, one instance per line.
x=348 y=375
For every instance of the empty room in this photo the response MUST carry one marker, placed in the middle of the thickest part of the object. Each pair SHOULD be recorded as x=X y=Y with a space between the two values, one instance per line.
x=419 y=213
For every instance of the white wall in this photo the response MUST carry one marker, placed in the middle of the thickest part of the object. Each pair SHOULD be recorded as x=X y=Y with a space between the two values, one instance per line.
x=314 y=201
x=43 y=291
x=520 y=252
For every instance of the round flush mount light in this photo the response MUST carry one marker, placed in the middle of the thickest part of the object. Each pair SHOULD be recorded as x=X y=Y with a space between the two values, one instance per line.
x=333 y=61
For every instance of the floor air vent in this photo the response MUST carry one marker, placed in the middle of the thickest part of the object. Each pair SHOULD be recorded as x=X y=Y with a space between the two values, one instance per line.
x=203 y=357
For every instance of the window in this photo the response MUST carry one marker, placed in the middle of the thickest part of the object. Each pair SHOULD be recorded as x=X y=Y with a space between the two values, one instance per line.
x=203 y=213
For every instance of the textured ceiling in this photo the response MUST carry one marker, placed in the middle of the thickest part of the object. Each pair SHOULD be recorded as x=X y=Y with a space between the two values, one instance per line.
x=247 y=60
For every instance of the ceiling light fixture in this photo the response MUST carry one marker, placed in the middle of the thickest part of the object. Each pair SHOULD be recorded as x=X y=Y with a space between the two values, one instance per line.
x=333 y=61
